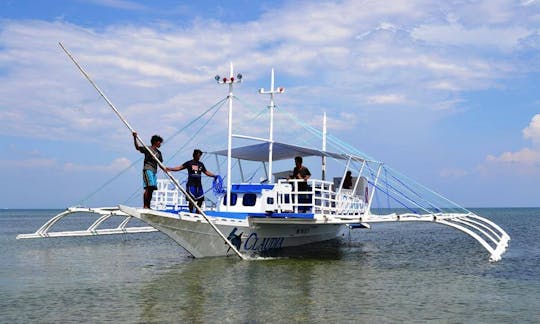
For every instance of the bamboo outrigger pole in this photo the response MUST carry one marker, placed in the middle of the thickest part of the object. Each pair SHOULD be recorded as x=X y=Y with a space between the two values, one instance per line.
x=177 y=185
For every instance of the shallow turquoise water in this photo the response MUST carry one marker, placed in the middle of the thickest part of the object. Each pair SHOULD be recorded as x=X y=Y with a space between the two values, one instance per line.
x=391 y=273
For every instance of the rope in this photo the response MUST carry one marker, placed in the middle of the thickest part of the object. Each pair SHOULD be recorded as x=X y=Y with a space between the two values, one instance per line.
x=415 y=193
x=200 y=128
x=398 y=201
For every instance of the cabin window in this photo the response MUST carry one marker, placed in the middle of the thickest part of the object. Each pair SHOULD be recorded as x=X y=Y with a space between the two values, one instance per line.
x=249 y=199
x=233 y=199
x=270 y=200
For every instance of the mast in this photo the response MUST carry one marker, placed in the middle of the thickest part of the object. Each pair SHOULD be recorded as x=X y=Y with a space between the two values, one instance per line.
x=271 y=92
x=323 y=168
x=230 y=81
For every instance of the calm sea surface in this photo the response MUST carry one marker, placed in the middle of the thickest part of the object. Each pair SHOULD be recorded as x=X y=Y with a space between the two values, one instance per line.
x=395 y=272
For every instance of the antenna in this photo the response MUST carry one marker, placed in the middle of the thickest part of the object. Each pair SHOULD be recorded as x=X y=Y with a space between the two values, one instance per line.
x=272 y=106
x=230 y=81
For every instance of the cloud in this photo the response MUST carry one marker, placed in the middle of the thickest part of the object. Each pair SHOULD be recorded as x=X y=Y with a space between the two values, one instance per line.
x=453 y=173
x=115 y=166
x=507 y=38
x=118 y=4
x=29 y=163
x=387 y=99
x=532 y=131
x=525 y=156
x=345 y=54
x=528 y=158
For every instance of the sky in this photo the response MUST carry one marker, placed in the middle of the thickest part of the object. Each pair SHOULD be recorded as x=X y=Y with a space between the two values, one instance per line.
x=444 y=92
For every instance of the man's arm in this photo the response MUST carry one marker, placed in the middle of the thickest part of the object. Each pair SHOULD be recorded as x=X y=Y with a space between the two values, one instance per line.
x=177 y=168
x=137 y=147
x=304 y=174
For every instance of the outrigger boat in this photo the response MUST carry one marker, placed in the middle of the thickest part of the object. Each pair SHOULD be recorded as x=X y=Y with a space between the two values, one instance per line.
x=253 y=217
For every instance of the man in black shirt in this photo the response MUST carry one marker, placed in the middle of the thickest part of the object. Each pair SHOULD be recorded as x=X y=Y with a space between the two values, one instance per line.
x=301 y=172
x=194 y=187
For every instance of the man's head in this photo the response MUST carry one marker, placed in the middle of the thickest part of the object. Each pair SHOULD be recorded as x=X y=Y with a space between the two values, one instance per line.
x=298 y=160
x=197 y=153
x=156 y=140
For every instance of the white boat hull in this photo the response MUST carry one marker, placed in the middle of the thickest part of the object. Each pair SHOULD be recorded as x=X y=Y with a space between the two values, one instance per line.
x=195 y=235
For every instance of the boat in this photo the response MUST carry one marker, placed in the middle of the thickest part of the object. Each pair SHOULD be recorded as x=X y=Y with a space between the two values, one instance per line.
x=251 y=218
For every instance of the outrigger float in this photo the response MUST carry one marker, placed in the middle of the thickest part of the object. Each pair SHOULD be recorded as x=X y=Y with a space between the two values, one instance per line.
x=250 y=218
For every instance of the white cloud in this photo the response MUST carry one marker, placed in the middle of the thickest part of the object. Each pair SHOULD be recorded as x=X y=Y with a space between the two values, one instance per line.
x=445 y=85
x=447 y=104
x=525 y=156
x=162 y=74
x=453 y=173
x=528 y=2
x=532 y=131
x=491 y=12
x=142 y=68
x=526 y=160
x=386 y=99
x=505 y=38
x=115 y=166
x=119 y=4
x=29 y=163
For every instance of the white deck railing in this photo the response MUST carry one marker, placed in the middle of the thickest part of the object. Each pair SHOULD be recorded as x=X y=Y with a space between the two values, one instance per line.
x=320 y=198
x=167 y=196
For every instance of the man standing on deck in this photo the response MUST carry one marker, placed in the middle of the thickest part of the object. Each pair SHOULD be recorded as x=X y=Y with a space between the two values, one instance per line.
x=194 y=187
x=302 y=173
x=150 y=166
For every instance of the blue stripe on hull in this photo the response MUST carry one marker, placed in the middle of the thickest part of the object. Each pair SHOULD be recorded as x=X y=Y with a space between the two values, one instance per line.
x=233 y=215
x=259 y=215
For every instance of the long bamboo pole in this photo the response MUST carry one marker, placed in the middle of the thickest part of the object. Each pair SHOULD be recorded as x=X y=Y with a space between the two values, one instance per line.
x=177 y=185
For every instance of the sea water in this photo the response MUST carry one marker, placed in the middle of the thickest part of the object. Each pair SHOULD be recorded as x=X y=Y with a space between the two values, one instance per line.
x=394 y=272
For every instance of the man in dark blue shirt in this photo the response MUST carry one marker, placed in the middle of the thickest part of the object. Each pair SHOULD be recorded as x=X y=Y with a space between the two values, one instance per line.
x=195 y=170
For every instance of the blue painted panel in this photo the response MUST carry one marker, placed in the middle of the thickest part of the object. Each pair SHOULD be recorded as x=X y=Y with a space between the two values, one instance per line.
x=255 y=188
x=227 y=214
x=292 y=215
x=236 y=215
x=259 y=215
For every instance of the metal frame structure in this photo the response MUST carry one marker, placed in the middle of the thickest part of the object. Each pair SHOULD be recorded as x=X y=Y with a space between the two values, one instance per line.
x=104 y=212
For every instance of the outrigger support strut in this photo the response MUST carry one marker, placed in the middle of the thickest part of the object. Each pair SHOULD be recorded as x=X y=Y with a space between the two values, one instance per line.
x=105 y=212
x=490 y=235
x=484 y=231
